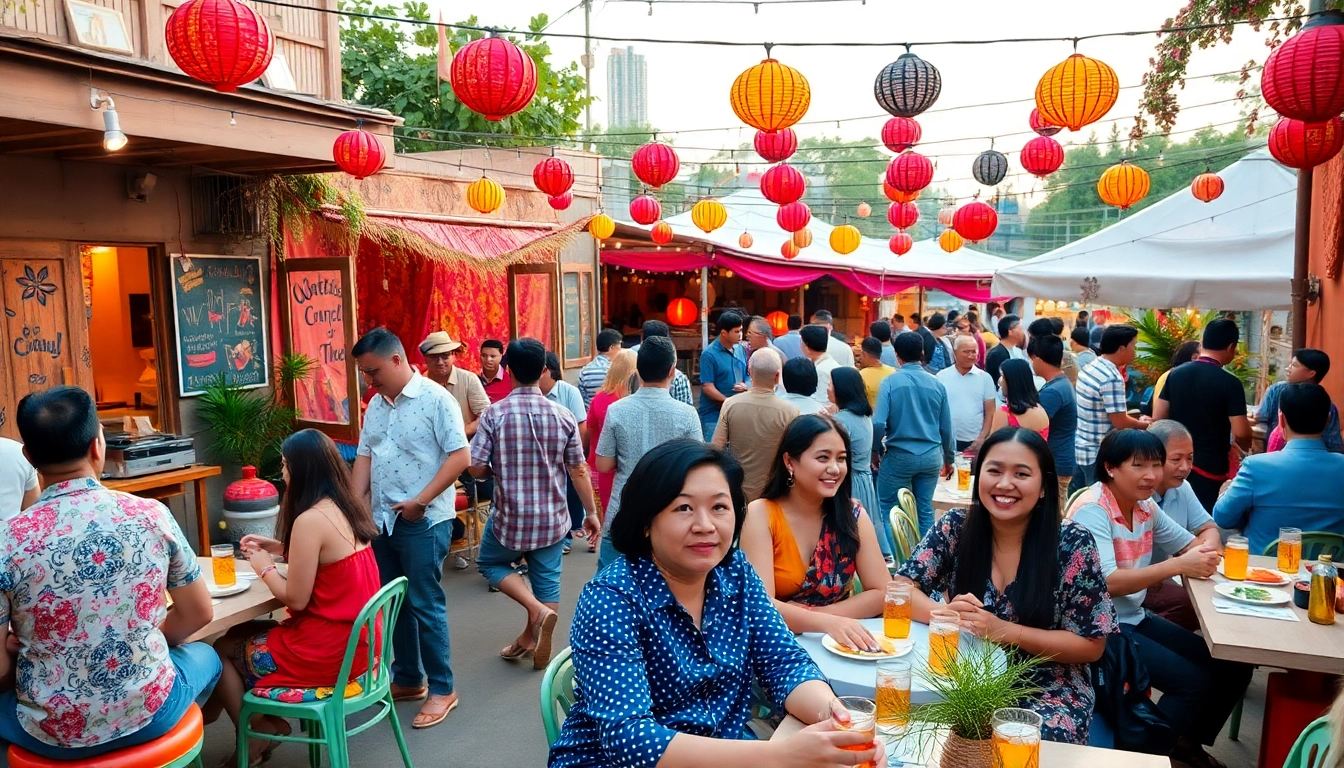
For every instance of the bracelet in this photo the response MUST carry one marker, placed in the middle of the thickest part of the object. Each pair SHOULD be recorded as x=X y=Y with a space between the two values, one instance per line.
x=265 y=571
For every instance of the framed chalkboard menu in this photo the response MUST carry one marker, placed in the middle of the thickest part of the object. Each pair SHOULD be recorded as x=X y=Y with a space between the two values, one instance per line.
x=576 y=312
x=219 y=305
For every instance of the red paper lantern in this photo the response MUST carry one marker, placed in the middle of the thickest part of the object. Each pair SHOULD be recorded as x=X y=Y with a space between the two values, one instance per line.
x=783 y=184
x=1207 y=187
x=662 y=233
x=789 y=251
x=779 y=322
x=975 y=221
x=1039 y=125
x=682 y=312
x=493 y=77
x=897 y=196
x=1042 y=156
x=902 y=215
x=910 y=172
x=645 y=210
x=901 y=133
x=358 y=152
x=655 y=164
x=1305 y=145
x=560 y=202
x=776 y=146
x=900 y=243
x=793 y=216
x=222 y=43
x=553 y=176
x=1304 y=78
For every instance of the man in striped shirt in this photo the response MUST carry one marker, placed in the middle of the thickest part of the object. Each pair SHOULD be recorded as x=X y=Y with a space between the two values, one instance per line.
x=1101 y=401
x=593 y=374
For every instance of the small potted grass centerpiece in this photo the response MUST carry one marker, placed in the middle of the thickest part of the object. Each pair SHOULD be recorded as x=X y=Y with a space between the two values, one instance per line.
x=977 y=682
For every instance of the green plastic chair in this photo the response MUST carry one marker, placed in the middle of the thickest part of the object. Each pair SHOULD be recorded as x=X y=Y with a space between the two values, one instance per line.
x=1312 y=748
x=1069 y=503
x=324 y=719
x=557 y=694
x=904 y=534
x=1314 y=544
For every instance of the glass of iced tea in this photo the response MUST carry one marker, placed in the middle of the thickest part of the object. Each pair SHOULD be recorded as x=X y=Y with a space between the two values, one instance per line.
x=896 y=610
x=1236 y=558
x=221 y=562
x=893 y=696
x=1290 y=550
x=862 y=717
x=944 y=639
x=963 y=464
x=1016 y=739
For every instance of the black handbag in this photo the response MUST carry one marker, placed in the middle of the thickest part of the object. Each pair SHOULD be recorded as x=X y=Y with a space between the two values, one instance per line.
x=1124 y=699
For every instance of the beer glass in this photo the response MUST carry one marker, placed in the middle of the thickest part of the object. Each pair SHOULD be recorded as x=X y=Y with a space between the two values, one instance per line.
x=944 y=639
x=1236 y=558
x=1016 y=739
x=862 y=717
x=963 y=463
x=1290 y=550
x=221 y=562
x=896 y=610
x=893 y=696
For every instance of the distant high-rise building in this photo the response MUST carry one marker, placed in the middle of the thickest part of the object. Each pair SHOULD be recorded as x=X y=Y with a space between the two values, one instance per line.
x=627 y=89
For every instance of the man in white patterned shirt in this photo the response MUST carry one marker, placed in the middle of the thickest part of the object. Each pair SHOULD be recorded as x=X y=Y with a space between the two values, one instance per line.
x=1101 y=401
x=594 y=373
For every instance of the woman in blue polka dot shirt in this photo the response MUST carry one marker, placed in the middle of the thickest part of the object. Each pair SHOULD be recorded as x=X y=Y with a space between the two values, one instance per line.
x=668 y=639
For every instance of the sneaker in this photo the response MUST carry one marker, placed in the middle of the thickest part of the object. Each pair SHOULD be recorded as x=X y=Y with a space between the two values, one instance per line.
x=460 y=563
x=565 y=549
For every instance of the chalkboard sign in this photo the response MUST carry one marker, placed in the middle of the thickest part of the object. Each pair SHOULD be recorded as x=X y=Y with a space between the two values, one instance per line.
x=571 y=303
x=219 y=305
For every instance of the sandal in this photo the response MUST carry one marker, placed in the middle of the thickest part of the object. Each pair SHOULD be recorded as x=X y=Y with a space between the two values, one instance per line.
x=433 y=718
x=401 y=693
x=514 y=652
x=542 y=655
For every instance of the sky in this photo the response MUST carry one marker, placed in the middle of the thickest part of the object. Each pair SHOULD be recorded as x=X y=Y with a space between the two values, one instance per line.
x=688 y=84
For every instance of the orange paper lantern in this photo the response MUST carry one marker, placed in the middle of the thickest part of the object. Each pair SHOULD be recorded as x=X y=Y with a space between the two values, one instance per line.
x=864 y=210
x=484 y=195
x=709 y=215
x=788 y=250
x=1123 y=185
x=662 y=233
x=1076 y=92
x=950 y=241
x=1207 y=187
x=682 y=312
x=897 y=196
x=601 y=227
x=845 y=239
x=779 y=322
x=770 y=96
x=745 y=240
x=802 y=238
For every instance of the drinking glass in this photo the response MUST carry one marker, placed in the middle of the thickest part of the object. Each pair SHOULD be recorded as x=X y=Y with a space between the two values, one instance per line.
x=896 y=609
x=893 y=696
x=863 y=718
x=1290 y=550
x=221 y=562
x=1236 y=558
x=963 y=463
x=1016 y=739
x=944 y=639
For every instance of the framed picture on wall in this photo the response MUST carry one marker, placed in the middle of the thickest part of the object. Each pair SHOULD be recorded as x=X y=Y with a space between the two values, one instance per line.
x=98 y=27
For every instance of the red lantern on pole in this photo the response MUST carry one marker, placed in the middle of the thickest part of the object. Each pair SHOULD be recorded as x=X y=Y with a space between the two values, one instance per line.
x=1039 y=125
x=553 y=176
x=902 y=215
x=682 y=312
x=776 y=146
x=900 y=243
x=655 y=164
x=358 y=152
x=975 y=221
x=662 y=233
x=222 y=43
x=645 y=210
x=1305 y=145
x=783 y=184
x=910 y=172
x=1207 y=187
x=901 y=133
x=560 y=202
x=493 y=77
x=1304 y=78
x=793 y=217
x=1042 y=156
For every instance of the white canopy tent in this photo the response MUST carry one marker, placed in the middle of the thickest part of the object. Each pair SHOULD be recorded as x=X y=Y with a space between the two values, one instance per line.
x=1235 y=253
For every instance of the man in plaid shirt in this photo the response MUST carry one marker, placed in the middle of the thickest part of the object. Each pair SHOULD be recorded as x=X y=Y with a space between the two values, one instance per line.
x=528 y=443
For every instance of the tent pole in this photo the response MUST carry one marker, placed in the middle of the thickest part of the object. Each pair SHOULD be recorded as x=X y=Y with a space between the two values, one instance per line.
x=1302 y=240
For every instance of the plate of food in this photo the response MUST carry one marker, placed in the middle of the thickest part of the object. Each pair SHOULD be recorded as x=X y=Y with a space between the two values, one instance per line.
x=1250 y=593
x=890 y=649
x=238 y=587
x=1263 y=577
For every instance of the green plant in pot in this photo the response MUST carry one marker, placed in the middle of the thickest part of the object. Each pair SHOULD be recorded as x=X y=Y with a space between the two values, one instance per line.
x=977 y=683
x=247 y=426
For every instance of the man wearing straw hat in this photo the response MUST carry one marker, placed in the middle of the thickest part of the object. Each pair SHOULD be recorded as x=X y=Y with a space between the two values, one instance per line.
x=439 y=351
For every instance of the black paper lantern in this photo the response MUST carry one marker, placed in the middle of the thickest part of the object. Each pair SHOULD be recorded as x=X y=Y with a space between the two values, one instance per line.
x=990 y=167
x=907 y=86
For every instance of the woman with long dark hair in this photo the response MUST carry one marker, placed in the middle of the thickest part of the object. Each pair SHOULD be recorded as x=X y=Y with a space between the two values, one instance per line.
x=1019 y=579
x=855 y=414
x=1023 y=406
x=324 y=533
x=807 y=538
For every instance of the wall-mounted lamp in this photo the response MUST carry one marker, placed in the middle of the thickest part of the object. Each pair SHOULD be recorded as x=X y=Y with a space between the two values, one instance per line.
x=113 y=138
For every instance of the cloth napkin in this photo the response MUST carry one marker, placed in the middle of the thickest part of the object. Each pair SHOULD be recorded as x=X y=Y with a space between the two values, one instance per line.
x=1282 y=612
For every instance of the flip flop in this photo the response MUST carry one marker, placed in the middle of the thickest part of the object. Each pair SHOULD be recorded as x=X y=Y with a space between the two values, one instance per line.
x=409 y=694
x=542 y=655
x=439 y=718
x=514 y=652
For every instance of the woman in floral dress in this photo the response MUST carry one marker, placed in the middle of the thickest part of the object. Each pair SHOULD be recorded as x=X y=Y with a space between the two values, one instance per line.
x=1020 y=579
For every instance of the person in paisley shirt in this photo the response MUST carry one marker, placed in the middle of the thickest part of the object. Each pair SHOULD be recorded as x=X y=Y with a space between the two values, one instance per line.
x=1020 y=579
x=102 y=662
x=807 y=507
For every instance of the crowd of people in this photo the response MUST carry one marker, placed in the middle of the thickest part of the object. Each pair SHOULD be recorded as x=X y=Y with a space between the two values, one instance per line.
x=723 y=527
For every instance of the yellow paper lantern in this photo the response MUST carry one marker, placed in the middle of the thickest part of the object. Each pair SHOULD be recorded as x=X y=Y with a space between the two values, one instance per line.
x=1076 y=92
x=485 y=195
x=1123 y=185
x=770 y=96
x=845 y=239
x=709 y=215
x=950 y=241
x=802 y=238
x=601 y=227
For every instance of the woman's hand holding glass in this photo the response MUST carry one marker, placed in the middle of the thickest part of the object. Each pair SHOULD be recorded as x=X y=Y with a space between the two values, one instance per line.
x=979 y=622
x=828 y=743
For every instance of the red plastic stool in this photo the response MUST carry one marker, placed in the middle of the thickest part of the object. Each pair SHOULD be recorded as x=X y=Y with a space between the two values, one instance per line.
x=1292 y=700
x=177 y=748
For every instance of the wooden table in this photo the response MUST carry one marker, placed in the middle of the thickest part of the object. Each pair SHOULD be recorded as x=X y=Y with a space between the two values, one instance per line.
x=1298 y=645
x=1053 y=754
x=237 y=609
x=163 y=485
x=946 y=496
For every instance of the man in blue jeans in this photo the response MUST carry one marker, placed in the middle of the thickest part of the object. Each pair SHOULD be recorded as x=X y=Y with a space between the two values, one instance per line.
x=102 y=662
x=723 y=371
x=914 y=416
x=411 y=450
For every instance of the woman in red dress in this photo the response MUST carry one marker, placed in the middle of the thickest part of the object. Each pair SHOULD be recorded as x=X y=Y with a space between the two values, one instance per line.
x=324 y=534
x=615 y=386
